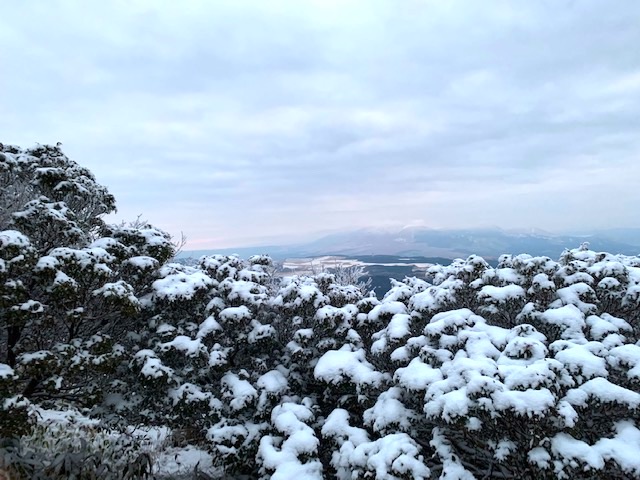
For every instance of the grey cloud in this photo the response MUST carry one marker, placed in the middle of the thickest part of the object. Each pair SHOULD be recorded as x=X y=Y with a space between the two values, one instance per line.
x=277 y=118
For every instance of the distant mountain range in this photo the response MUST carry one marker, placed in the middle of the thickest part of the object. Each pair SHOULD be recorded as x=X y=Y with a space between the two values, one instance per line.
x=420 y=241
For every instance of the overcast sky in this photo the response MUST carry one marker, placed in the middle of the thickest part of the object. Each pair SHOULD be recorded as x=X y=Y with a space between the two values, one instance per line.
x=253 y=122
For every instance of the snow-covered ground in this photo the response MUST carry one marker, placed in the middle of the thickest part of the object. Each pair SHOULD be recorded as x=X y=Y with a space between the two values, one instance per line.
x=312 y=265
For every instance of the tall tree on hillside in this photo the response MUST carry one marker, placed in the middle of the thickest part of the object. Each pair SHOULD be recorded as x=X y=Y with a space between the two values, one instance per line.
x=70 y=286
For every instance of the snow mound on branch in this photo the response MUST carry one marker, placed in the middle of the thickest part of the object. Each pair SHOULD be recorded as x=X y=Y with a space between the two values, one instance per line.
x=181 y=285
x=622 y=449
x=347 y=364
x=283 y=455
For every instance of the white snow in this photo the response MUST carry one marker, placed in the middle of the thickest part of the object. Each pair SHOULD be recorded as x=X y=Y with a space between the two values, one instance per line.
x=501 y=294
x=417 y=375
x=186 y=345
x=6 y=372
x=208 y=326
x=604 y=391
x=272 y=382
x=238 y=392
x=336 y=366
x=181 y=285
x=235 y=314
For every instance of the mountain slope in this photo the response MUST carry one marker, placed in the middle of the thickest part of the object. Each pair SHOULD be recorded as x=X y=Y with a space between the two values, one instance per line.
x=420 y=241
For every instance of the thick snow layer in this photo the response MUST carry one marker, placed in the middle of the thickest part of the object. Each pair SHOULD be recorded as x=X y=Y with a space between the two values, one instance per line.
x=602 y=390
x=626 y=355
x=501 y=294
x=186 y=345
x=334 y=315
x=336 y=366
x=392 y=456
x=181 y=286
x=448 y=405
x=94 y=259
x=13 y=238
x=538 y=374
x=62 y=279
x=503 y=276
x=530 y=403
x=541 y=282
x=218 y=355
x=399 y=327
x=117 y=290
x=386 y=309
x=208 y=326
x=417 y=375
x=389 y=413
x=6 y=372
x=29 y=306
x=581 y=359
x=47 y=263
x=622 y=449
x=143 y=262
x=260 y=332
x=574 y=295
x=272 y=382
x=235 y=314
x=281 y=455
x=188 y=393
x=247 y=292
x=238 y=392
x=569 y=317
x=152 y=366
x=436 y=297
x=451 y=321
x=601 y=326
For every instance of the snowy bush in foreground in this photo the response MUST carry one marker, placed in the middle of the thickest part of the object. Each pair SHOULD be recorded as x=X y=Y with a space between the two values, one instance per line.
x=69 y=445
x=510 y=371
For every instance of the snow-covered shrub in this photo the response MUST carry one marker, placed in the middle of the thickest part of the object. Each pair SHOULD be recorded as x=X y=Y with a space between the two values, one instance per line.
x=291 y=451
x=69 y=445
x=508 y=371
x=355 y=455
x=71 y=287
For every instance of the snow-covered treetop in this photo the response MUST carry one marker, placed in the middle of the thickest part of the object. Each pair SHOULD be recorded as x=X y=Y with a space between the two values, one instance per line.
x=41 y=184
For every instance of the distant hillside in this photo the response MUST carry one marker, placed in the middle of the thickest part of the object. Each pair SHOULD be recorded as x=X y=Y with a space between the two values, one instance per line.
x=444 y=244
x=461 y=243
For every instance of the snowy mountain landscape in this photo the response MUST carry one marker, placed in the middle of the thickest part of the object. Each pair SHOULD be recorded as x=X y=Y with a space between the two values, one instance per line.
x=116 y=361
x=445 y=244
x=315 y=239
x=411 y=250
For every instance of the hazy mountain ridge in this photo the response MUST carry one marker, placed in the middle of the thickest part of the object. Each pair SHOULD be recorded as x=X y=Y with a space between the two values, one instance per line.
x=421 y=241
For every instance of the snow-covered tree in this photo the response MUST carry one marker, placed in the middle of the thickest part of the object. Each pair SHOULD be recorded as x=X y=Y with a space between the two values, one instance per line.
x=70 y=286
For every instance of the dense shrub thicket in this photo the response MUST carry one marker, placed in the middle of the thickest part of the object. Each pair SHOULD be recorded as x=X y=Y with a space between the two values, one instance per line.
x=530 y=369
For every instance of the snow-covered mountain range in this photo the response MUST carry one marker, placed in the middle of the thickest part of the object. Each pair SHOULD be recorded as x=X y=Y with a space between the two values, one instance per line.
x=421 y=241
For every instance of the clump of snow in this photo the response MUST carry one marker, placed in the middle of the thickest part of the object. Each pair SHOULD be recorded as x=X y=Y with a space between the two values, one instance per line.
x=186 y=345
x=347 y=364
x=181 y=285
x=235 y=314
x=6 y=372
x=284 y=456
x=152 y=366
x=238 y=392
